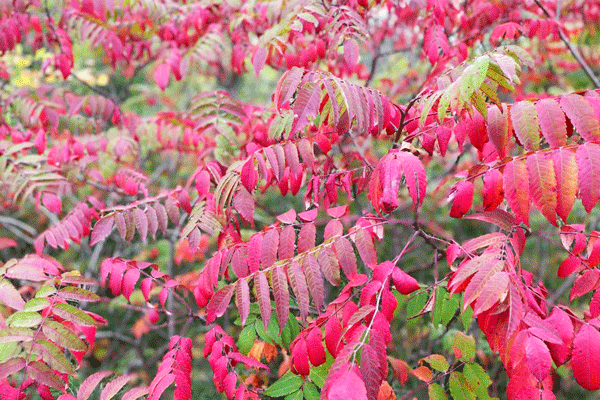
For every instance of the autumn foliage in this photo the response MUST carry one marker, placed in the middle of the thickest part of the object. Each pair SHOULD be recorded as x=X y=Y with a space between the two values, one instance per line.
x=358 y=199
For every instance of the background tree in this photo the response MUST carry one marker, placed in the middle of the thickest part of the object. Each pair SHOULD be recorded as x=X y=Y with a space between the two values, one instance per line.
x=311 y=199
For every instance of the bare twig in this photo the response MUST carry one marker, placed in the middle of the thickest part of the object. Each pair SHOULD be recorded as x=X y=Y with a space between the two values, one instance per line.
x=574 y=51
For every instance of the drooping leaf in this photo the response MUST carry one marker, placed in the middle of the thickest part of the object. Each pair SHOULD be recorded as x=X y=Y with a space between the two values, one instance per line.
x=314 y=280
x=261 y=286
x=552 y=122
x=543 y=185
x=90 y=383
x=588 y=163
x=567 y=183
x=582 y=116
x=585 y=360
x=516 y=189
x=525 y=123
x=281 y=295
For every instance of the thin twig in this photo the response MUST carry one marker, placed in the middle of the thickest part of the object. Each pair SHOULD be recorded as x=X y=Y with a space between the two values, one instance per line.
x=584 y=65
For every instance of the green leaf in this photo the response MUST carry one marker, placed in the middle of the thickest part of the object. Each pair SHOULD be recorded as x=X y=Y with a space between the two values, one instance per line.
x=318 y=374
x=36 y=304
x=310 y=391
x=287 y=384
x=271 y=335
x=466 y=345
x=294 y=396
x=459 y=388
x=467 y=317
x=78 y=294
x=437 y=362
x=24 y=319
x=45 y=291
x=478 y=379
x=9 y=350
x=290 y=331
x=436 y=392
x=51 y=355
x=63 y=336
x=70 y=313
x=247 y=338
x=9 y=335
x=416 y=303
x=449 y=309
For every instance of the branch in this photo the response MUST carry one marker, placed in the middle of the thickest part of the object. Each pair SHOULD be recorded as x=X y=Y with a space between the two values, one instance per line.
x=584 y=65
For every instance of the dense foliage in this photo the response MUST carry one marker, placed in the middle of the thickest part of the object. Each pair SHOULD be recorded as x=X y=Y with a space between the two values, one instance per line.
x=353 y=199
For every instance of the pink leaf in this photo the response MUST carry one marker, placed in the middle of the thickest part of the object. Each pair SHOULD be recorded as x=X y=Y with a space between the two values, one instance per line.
x=403 y=282
x=161 y=75
x=281 y=295
x=102 y=229
x=219 y=302
x=351 y=53
x=552 y=122
x=538 y=358
x=588 y=162
x=242 y=298
x=52 y=202
x=258 y=59
x=347 y=385
x=463 y=198
x=516 y=189
x=585 y=360
x=263 y=297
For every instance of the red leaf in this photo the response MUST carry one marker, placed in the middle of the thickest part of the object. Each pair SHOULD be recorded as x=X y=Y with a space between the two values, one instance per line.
x=346 y=384
x=403 y=282
x=351 y=53
x=346 y=257
x=308 y=216
x=52 y=202
x=542 y=185
x=588 y=162
x=497 y=129
x=281 y=295
x=329 y=266
x=516 y=189
x=480 y=280
x=261 y=285
x=287 y=238
x=463 y=198
x=306 y=238
x=415 y=176
x=113 y=387
x=538 y=358
x=565 y=171
x=161 y=75
x=102 y=229
x=584 y=283
x=366 y=249
x=568 y=266
x=585 y=360
x=493 y=190
x=288 y=217
x=299 y=287
x=314 y=343
x=333 y=333
x=268 y=252
x=582 y=116
x=492 y=291
x=219 y=302
x=300 y=358
x=248 y=175
x=243 y=202
x=258 y=59
x=370 y=371
x=254 y=252
x=242 y=298
x=525 y=123
x=129 y=280
x=141 y=223
x=552 y=122
x=314 y=280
